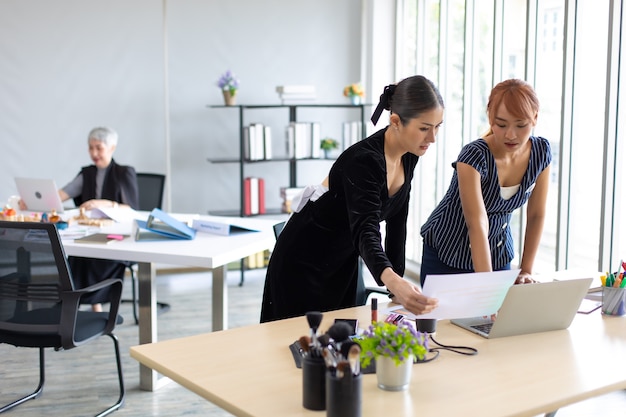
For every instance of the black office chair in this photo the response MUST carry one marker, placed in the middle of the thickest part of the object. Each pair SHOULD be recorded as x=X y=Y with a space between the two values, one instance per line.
x=39 y=307
x=363 y=292
x=151 y=188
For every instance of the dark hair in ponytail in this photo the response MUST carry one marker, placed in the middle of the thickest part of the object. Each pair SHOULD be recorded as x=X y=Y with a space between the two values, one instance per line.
x=409 y=98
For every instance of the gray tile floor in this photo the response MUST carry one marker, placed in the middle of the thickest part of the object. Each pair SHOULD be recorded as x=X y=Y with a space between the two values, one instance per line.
x=82 y=381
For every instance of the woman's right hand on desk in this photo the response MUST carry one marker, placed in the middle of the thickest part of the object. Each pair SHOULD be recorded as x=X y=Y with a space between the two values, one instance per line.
x=409 y=295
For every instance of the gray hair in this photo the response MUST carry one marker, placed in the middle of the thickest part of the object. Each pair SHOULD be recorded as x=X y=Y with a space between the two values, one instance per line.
x=105 y=135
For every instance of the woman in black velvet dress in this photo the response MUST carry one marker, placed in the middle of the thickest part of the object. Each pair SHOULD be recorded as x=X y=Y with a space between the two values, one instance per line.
x=314 y=265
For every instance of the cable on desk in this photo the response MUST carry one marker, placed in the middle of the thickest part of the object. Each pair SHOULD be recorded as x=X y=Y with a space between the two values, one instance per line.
x=461 y=350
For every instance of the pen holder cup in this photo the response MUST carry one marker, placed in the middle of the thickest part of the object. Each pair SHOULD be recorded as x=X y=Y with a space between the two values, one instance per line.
x=313 y=383
x=613 y=301
x=343 y=395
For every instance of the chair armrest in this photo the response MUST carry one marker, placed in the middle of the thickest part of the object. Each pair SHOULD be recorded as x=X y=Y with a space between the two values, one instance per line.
x=70 y=303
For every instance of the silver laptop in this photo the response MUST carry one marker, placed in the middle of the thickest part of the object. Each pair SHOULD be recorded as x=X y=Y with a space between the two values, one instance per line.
x=39 y=194
x=532 y=308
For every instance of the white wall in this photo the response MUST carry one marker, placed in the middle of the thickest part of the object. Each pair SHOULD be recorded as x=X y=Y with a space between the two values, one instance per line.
x=67 y=66
x=148 y=69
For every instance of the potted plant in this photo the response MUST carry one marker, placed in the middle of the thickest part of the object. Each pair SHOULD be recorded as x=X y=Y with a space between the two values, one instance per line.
x=229 y=84
x=328 y=144
x=393 y=347
x=354 y=92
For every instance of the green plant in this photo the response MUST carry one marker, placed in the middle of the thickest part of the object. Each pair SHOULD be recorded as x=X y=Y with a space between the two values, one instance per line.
x=329 y=143
x=396 y=341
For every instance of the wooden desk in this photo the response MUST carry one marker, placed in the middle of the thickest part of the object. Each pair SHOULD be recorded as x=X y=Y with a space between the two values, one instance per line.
x=206 y=250
x=249 y=371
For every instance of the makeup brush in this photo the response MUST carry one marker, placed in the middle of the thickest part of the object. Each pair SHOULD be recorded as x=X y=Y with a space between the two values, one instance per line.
x=343 y=368
x=305 y=345
x=329 y=358
x=340 y=332
x=314 y=318
x=354 y=358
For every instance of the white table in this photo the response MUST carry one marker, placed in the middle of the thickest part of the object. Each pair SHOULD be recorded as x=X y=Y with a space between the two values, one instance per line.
x=206 y=251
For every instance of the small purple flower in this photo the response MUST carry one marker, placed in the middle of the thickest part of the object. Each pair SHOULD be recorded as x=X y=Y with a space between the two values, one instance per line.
x=228 y=82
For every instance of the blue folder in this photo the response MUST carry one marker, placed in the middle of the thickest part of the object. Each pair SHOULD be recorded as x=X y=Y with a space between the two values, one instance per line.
x=161 y=225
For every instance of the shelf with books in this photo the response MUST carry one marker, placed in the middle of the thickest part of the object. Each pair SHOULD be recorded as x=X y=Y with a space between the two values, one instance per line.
x=258 y=144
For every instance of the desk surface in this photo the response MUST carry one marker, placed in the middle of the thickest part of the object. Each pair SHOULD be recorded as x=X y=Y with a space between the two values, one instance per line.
x=249 y=371
x=205 y=251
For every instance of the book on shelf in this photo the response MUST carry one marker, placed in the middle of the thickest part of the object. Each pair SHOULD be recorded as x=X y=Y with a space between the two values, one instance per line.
x=290 y=100
x=253 y=196
x=295 y=89
x=257 y=260
x=296 y=94
x=267 y=142
x=257 y=142
x=287 y=194
x=316 y=140
x=352 y=133
x=261 y=182
x=303 y=140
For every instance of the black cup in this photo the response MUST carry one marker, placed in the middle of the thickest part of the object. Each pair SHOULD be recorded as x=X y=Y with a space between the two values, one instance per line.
x=313 y=383
x=343 y=395
x=426 y=325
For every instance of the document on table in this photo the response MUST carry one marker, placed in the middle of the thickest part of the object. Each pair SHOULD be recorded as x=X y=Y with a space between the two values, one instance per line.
x=464 y=295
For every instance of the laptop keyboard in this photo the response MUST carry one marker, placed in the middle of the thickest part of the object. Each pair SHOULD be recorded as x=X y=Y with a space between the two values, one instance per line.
x=485 y=328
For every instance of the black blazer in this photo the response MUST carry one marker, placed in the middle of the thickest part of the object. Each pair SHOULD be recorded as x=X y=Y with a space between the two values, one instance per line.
x=120 y=184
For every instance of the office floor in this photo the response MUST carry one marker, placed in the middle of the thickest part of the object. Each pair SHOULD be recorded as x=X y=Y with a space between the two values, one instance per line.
x=82 y=381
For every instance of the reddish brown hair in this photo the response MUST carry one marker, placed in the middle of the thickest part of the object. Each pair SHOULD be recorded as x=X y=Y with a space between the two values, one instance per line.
x=518 y=97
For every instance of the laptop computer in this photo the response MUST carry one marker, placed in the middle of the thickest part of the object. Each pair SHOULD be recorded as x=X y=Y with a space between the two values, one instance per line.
x=532 y=308
x=39 y=194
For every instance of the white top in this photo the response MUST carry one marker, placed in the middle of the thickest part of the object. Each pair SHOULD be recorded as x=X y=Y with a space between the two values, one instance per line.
x=508 y=192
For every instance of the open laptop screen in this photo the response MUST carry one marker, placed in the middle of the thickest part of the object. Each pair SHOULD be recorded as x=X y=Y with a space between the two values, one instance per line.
x=39 y=194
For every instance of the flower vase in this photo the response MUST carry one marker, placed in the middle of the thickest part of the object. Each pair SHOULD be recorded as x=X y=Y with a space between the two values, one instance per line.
x=392 y=377
x=355 y=100
x=229 y=99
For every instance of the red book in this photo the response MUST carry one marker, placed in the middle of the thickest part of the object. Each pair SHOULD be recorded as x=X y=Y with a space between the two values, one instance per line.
x=261 y=196
x=247 y=202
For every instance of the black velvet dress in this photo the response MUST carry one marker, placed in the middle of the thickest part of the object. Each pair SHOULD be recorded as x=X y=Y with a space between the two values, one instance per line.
x=120 y=184
x=314 y=265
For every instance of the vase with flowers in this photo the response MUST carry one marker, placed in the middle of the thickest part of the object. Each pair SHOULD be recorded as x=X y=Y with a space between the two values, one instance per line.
x=229 y=84
x=393 y=347
x=327 y=145
x=354 y=92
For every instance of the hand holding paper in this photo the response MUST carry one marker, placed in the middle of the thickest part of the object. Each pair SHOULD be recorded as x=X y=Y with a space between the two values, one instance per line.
x=465 y=295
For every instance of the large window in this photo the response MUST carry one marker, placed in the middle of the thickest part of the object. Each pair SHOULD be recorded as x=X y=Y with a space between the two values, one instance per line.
x=569 y=51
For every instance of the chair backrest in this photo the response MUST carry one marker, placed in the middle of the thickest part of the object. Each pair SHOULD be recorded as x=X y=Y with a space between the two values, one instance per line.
x=278 y=228
x=39 y=306
x=151 y=188
x=33 y=270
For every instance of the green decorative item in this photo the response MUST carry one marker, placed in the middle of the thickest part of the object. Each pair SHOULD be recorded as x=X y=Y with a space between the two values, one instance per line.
x=393 y=347
x=328 y=144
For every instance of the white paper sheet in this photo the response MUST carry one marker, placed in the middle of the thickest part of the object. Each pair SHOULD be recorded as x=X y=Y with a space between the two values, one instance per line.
x=464 y=295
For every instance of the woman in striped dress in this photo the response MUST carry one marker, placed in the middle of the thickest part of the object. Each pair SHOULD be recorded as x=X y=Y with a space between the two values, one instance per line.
x=469 y=231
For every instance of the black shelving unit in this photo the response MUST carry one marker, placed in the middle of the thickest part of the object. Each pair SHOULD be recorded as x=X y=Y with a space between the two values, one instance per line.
x=292 y=162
